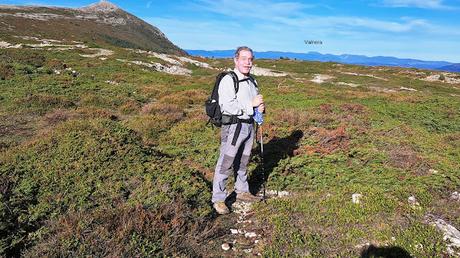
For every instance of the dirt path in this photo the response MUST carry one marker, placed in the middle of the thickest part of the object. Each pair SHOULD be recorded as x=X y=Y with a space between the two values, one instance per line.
x=247 y=235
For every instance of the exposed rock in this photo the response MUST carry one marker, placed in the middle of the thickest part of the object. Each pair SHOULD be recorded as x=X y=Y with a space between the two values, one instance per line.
x=259 y=71
x=367 y=75
x=407 y=89
x=451 y=234
x=382 y=89
x=4 y=44
x=174 y=69
x=450 y=78
x=44 y=43
x=35 y=16
x=103 y=6
x=195 y=62
x=100 y=52
x=320 y=78
x=172 y=59
x=38 y=39
x=165 y=57
x=353 y=85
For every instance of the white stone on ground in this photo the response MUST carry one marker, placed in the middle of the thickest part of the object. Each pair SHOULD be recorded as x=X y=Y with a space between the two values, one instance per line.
x=275 y=193
x=413 y=201
x=248 y=250
x=432 y=171
x=455 y=196
x=250 y=234
x=356 y=198
x=226 y=246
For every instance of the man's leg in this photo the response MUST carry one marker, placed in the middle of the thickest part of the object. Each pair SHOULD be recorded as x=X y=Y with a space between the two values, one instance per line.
x=241 y=182
x=226 y=158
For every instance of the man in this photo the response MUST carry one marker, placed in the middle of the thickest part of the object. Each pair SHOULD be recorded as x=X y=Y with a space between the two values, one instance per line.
x=237 y=133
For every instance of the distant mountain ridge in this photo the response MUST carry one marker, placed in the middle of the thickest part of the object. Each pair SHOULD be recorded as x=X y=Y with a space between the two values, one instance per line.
x=101 y=23
x=346 y=59
x=451 y=68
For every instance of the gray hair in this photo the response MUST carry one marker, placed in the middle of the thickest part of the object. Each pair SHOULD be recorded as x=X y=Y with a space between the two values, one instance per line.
x=239 y=49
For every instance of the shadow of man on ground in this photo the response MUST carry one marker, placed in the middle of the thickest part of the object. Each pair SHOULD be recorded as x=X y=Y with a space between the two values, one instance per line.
x=385 y=252
x=274 y=151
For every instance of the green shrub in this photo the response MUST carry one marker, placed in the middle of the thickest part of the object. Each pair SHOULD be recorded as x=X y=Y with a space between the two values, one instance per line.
x=122 y=231
x=6 y=71
x=86 y=166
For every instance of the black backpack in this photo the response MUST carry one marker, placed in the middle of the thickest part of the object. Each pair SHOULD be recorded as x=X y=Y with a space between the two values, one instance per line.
x=212 y=103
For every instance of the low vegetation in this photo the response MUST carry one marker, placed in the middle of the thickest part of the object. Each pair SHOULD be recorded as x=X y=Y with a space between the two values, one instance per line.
x=104 y=158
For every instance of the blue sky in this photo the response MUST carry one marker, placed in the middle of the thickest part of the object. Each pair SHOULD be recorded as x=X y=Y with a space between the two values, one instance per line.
x=421 y=29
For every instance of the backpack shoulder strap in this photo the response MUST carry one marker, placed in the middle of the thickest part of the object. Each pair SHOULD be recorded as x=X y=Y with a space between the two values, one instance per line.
x=235 y=81
x=253 y=80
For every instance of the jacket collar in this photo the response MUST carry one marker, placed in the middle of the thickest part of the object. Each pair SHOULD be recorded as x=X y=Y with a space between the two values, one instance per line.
x=239 y=74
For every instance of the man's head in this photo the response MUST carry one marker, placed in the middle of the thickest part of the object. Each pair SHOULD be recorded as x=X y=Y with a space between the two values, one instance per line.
x=243 y=59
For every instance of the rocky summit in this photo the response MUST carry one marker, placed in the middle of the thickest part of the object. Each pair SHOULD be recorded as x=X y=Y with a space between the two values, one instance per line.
x=102 y=6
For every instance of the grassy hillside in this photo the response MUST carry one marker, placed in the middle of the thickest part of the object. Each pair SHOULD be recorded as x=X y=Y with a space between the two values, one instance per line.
x=115 y=159
x=114 y=28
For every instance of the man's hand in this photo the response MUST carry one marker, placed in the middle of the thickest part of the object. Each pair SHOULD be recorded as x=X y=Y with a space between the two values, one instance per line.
x=261 y=108
x=257 y=100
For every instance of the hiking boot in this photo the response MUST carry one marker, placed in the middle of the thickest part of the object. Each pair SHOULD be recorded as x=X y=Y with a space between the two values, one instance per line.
x=221 y=207
x=247 y=197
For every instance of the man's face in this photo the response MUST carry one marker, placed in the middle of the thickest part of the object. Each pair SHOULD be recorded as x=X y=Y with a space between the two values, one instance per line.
x=244 y=62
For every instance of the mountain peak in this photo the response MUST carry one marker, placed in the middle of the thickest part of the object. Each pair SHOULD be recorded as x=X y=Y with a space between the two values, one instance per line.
x=103 y=6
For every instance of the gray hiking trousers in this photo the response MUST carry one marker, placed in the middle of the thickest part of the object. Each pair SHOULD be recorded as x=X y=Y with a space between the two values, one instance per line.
x=233 y=158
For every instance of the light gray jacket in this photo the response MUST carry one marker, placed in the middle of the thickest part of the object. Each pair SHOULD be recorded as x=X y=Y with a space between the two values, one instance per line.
x=239 y=104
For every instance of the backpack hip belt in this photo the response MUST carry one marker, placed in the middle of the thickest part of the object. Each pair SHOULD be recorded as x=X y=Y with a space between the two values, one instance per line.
x=228 y=120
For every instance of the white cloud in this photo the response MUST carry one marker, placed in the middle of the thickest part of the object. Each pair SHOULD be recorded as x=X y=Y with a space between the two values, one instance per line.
x=149 y=3
x=347 y=23
x=426 y=4
x=260 y=9
x=293 y=14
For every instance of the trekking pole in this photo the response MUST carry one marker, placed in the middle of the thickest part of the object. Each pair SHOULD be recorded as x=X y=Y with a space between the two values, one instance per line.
x=262 y=161
x=258 y=117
